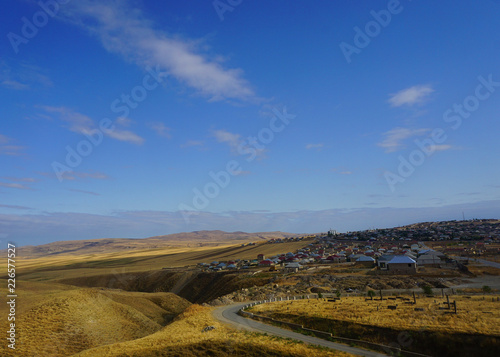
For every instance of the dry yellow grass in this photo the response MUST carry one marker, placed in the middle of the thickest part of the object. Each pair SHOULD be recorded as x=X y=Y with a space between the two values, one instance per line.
x=185 y=338
x=475 y=315
x=56 y=320
x=481 y=270
x=66 y=266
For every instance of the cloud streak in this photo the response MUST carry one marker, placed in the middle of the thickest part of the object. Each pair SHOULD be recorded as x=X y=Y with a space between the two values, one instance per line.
x=18 y=186
x=78 y=175
x=161 y=129
x=82 y=124
x=14 y=207
x=410 y=96
x=124 y=30
x=6 y=147
x=394 y=139
x=318 y=146
x=86 y=192
x=230 y=139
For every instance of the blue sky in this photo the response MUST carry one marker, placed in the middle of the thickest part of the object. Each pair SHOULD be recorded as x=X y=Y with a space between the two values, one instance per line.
x=134 y=118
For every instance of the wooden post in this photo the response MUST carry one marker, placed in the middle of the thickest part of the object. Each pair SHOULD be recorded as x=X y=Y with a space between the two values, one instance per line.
x=448 y=302
x=380 y=294
x=414 y=299
x=455 y=304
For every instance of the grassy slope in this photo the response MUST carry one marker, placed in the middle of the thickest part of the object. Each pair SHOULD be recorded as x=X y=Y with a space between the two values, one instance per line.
x=185 y=338
x=475 y=315
x=57 y=320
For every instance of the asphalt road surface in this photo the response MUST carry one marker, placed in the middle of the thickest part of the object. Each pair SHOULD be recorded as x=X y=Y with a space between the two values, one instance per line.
x=228 y=314
x=487 y=262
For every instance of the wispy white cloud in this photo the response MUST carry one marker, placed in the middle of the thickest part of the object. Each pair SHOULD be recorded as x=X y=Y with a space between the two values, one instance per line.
x=230 y=139
x=6 y=147
x=123 y=121
x=22 y=76
x=236 y=143
x=342 y=171
x=440 y=147
x=191 y=143
x=140 y=224
x=318 y=146
x=394 y=139
x=19 y=179
x=77 y=122
x=82 y=124
x=124 y=30
x=161 y=129
x=125 y=135
x=14 y=207
x=18 y=186
x=12 y=84
x=77 y=175
x=83 y=191
x=410 y=96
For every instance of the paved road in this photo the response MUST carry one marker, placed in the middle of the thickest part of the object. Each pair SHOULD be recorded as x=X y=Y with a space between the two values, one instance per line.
x=228 y=314
x=487 y=262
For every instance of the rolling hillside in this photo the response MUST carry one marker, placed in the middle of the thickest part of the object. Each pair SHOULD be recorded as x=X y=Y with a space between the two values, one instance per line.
x=58 y=320
x=178 y=240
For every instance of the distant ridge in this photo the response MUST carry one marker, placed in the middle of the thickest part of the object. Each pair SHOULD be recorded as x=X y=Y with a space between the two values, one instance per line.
x=217 y=235
x=110 y=245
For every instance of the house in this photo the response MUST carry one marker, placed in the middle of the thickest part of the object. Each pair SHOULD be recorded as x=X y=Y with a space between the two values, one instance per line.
x=335 y=259
x=292 y=267
x=430 y=258
x=354 y=257
x=401 y=264
x=365 y=261
x=383 y=260
x=261 y=257
x=266 y=263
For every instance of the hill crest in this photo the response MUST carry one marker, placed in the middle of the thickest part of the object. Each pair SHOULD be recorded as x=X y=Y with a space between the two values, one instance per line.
x=109 y=245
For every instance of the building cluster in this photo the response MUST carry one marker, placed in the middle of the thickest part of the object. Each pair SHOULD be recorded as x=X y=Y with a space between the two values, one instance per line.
x=482 y=229
x=394 y=251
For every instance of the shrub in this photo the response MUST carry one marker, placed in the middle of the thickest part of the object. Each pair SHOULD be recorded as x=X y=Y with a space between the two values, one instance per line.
x=486 y=289
x=427 y=290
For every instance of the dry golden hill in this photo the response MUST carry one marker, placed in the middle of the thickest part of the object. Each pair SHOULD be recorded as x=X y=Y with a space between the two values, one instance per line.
x=112 y=245
x=63 y=266
x=184 y=338
x=57 y=320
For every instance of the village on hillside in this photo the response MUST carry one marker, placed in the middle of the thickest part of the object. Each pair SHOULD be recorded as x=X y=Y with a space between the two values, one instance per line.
x=400 y=250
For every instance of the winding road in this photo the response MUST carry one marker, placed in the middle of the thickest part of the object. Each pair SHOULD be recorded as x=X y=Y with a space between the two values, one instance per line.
x=229 y=315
